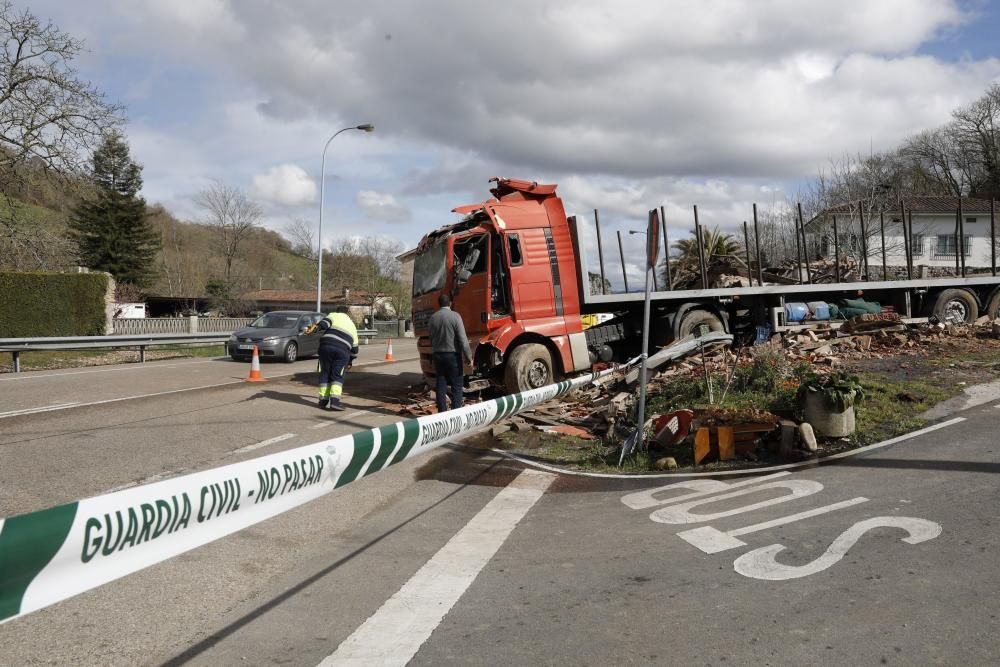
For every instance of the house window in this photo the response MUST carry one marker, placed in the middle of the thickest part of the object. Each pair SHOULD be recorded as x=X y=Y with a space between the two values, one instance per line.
x=917 y=245
x=946 y=246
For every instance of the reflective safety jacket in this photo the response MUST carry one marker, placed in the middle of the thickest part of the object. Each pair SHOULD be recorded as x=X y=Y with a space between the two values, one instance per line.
x=339 y=329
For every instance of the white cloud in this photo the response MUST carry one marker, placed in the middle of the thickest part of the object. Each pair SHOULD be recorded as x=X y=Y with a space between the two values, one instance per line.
x=383 y=207
x=285 y=184
x=719 y=103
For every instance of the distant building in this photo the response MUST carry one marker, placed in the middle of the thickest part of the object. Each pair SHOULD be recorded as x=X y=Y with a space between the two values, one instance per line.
x=358 y=302
x=934 y=241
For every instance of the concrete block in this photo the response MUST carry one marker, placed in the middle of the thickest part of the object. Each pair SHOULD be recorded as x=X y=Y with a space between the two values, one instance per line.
x=807 y=437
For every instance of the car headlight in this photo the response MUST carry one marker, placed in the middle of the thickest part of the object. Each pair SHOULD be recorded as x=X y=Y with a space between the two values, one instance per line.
x=270 y=339
x=232 y=338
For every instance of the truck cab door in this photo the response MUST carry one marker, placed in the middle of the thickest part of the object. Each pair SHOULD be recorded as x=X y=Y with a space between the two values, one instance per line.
x=471 y=282
x=531 y=274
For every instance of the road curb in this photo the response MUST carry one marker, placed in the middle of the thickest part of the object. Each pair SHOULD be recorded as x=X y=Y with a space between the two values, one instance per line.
x=815 y=463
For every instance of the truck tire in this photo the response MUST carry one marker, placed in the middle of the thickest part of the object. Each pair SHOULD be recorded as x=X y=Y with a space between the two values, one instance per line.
x=993 y=306
x=955 y=306
x=693 y=322
x=528 y=367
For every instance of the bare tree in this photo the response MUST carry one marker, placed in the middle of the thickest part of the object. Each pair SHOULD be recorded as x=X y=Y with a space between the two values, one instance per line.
x=50 y=120
x=303 y=238
x=232 y=214
x=368 y=264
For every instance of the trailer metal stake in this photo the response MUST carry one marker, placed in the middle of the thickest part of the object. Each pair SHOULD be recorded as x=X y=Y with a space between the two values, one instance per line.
x=621 y=254
x=600 y=252
x=836 y=250
x=805 y=247
x=906 y=241
x=756 y=242
x=957 y=268
x=746 y=246
x=701 y=249
x=993 y=237
x=798 y=253
x=961 y=234
x=881 y=225
x=666 y=249
x=864 y=237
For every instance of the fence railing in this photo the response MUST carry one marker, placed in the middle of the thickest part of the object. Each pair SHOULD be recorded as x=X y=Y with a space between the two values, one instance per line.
x=178 y=325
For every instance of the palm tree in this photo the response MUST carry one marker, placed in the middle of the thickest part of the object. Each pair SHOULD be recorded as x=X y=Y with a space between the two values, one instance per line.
x=723 y=254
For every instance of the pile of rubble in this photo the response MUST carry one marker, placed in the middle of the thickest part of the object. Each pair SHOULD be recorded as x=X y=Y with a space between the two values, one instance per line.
x=604 y=411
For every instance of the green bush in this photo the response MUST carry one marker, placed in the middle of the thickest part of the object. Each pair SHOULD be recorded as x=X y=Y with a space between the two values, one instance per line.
x=52 y=304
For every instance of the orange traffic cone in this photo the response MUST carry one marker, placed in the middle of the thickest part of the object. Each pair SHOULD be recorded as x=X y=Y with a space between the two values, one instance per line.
x=255 y=375
x=388 y=351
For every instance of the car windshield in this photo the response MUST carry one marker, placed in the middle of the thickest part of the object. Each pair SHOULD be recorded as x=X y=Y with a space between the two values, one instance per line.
x=429 y=270
x=276 y=321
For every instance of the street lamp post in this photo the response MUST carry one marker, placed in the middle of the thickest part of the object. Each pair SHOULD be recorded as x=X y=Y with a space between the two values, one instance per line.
x=367 y=127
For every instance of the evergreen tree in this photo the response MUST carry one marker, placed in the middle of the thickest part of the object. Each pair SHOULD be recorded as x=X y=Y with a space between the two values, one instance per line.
x=111 y=227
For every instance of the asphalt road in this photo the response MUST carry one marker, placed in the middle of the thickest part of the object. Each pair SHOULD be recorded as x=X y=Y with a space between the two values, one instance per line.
x=462 y=557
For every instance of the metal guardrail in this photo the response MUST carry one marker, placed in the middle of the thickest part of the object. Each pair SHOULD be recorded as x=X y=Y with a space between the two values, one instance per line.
x=18 y=345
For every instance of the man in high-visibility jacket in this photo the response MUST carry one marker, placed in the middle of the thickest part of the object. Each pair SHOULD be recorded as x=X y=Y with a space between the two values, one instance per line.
x=338 y=347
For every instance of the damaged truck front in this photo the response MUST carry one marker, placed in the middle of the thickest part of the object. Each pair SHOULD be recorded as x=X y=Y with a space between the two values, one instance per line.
x=510 y=269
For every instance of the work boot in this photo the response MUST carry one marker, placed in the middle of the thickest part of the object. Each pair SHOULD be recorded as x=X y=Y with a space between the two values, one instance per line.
x=323 y=402
x=336 y=406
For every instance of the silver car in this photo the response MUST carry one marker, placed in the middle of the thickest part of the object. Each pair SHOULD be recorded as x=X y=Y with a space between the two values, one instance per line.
x=277 y=335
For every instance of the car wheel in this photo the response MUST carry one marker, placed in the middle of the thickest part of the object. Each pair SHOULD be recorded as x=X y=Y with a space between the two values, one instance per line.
x=291 y=352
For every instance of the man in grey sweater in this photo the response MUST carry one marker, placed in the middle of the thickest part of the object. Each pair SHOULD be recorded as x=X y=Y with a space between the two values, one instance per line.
x=450 y=345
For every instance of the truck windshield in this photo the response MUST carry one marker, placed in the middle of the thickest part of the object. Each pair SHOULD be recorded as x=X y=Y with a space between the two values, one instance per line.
x=429 y=270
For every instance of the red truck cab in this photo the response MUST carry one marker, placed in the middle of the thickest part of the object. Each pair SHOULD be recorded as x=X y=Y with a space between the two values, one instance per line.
x=510 y=268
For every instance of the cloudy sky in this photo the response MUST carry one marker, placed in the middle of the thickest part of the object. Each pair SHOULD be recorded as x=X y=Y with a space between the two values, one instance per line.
x=625 y=105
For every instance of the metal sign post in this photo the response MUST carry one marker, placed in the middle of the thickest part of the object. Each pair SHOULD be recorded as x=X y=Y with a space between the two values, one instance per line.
x=652 y=249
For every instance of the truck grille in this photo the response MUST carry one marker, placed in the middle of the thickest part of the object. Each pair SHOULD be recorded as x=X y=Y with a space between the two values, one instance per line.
x=421 y=319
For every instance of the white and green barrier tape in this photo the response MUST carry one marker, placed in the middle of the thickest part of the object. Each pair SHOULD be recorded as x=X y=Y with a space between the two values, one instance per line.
x=56 y=553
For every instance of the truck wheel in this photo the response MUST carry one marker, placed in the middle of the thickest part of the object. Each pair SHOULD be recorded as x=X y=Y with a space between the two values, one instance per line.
x=955 y=306
x=993 y=306
x=529 y=367
x=696 y=321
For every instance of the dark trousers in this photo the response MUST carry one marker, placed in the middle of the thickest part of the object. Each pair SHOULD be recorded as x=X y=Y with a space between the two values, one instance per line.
x=448 y=366
x=333 y=360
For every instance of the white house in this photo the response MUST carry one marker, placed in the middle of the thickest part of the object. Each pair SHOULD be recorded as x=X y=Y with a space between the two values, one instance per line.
x=934 y=232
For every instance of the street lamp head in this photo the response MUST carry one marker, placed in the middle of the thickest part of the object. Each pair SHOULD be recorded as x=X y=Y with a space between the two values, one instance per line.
x=367 y=127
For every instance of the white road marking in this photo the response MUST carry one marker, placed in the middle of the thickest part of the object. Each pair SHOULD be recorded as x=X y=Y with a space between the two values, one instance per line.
x=263 y=443
x=712 y=540
x=46 y=408
x=394 y=633
x=761 y=563
x=681 y=513
x=35 y=375
x=164 y=393
x=641 y=500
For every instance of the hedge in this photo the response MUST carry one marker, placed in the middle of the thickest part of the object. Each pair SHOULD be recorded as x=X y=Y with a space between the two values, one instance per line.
x=52 y=304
